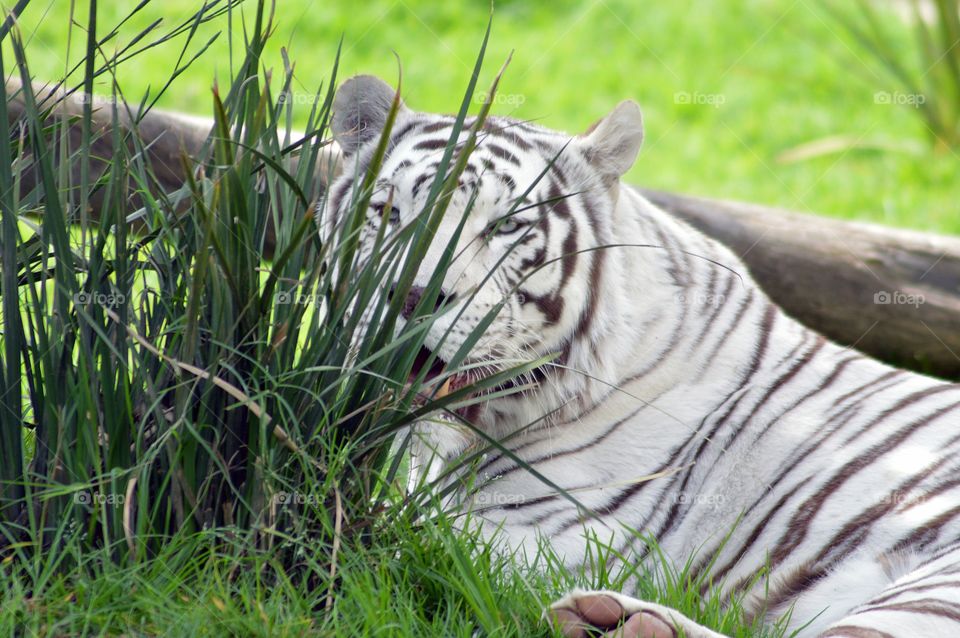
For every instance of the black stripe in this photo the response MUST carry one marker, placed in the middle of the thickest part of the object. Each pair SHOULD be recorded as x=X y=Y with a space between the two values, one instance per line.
x=914 y=589
x=420 y=181
x=434 y=144
x=499 y=151
x=858 y=391
x=433 y=127
x=906 y=402
x=399 y=134
x=800 y=523
x=922 y=606
x=554 y=454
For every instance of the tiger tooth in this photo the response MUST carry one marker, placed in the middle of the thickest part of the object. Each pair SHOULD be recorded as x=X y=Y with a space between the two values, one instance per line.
x=444 y=389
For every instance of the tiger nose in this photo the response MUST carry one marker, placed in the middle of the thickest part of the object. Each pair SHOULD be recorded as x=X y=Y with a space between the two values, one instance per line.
x=415 y=295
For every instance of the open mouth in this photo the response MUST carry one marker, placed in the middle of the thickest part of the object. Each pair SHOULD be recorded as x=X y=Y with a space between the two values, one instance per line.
x=438 y=382
x=436 y=374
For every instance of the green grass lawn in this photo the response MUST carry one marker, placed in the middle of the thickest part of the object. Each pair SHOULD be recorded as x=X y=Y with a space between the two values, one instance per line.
x=424 y=580
x=726 y=87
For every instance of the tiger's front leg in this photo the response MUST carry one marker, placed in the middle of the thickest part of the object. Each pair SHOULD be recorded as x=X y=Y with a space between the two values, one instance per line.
x=588 y=613
x=433 y=444
x=923 y=603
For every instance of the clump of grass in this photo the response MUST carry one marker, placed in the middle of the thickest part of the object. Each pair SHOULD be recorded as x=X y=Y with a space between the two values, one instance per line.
x=928 y=75
x=159 y=383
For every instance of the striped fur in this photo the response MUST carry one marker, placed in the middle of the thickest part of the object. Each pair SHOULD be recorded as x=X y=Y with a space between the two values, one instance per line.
x=838 y=473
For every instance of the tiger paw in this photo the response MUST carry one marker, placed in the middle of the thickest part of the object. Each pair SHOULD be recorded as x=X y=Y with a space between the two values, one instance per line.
x=580 y=614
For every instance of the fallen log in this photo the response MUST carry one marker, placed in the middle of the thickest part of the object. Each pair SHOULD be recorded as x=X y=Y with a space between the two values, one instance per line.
x=891 y=293
x=166 y=135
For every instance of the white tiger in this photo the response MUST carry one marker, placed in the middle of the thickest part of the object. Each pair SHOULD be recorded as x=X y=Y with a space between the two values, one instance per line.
x=837 y=473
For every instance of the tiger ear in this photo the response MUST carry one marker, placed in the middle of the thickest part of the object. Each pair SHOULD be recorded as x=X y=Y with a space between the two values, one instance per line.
x=612 y=144
x=360 y=111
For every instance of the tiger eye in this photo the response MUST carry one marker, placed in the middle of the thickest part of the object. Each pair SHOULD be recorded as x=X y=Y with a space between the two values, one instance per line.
x=393 y=217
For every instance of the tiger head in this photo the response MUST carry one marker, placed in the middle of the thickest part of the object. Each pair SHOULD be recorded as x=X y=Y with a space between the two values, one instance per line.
x=545 y=262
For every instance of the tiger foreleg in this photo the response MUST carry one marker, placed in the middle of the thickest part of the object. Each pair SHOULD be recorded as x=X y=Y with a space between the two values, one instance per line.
x=586 y=613
x=923 y=603
x=432 y=446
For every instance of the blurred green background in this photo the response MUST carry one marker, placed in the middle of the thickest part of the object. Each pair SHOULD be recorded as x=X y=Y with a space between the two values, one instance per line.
x=733 y=92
